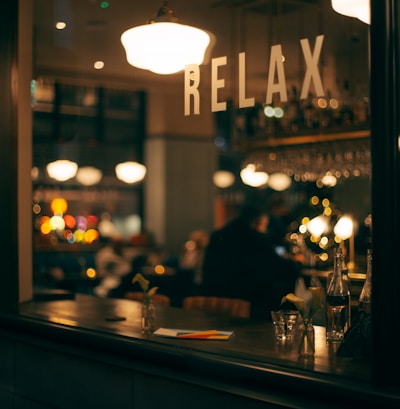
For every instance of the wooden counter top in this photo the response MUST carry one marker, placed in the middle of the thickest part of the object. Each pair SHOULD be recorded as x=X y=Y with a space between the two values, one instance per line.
x=252 y=341
x=249 y=364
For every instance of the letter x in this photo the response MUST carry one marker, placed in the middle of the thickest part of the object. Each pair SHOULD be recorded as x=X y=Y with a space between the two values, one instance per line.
x=312 y=69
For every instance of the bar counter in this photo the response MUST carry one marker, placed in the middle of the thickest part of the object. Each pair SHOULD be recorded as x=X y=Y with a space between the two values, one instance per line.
x=250 y=365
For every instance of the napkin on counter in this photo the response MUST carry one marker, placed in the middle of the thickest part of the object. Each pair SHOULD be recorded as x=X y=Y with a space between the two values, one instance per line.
x=193 y=334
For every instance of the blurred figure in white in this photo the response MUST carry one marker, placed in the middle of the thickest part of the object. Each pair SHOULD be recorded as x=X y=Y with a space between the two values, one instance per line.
x=111 y=266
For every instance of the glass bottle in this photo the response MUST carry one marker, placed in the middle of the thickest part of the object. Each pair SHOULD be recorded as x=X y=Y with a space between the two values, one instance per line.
x=364 y=302
x=337 y=299
x=346 y=278
x=307 y=339
x=148 y=316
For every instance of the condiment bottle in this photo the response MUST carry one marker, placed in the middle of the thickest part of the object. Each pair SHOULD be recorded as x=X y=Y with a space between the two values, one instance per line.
x=364 y=302
x=337 y=299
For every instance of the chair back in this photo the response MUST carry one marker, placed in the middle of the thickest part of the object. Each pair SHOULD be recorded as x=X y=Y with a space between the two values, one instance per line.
x=233 y=307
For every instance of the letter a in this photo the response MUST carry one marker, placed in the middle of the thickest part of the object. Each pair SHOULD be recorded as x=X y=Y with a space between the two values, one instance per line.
x=276 y=61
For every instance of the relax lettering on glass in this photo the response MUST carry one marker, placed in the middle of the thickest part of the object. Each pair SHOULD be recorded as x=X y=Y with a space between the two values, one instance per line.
x=276 y=70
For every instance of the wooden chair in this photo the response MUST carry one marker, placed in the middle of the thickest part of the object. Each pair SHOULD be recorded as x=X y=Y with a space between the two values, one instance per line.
x=233 y=307
x=158 y=299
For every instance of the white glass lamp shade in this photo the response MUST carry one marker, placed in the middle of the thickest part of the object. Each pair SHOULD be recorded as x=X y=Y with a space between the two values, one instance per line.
x=62 y=170
x=89 y=175
x=251 y=177
x=353 y=8
x=223 y=179
x=279 y=181
x=344 y=227
x=130 y=172
x=164 y=47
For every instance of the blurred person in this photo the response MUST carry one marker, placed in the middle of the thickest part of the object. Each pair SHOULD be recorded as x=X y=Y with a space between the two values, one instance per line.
x=111 y=266
x=241 y=262
x=191 y=260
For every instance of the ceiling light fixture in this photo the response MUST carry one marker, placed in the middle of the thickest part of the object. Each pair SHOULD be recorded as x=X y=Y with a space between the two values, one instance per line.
x=130 y=172
x=164 y=46
x=89 y=175
x=62 y=170
x=252 y=177
x=223 y=179
x=279 y=181
x=353 y=8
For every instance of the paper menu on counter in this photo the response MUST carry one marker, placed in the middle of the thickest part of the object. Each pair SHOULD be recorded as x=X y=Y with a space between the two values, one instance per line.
x=211 y=334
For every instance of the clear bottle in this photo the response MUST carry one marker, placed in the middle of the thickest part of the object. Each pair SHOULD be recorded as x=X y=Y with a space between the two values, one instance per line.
x=346 y=278
x=337 y=299
x=364 y=302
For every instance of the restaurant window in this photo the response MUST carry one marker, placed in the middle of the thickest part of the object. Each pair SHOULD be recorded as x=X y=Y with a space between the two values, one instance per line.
x=296 y=86
x=294 y=103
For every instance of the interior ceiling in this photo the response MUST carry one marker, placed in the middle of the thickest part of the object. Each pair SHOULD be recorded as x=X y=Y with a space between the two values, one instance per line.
x=265 y=6
x=94 y=33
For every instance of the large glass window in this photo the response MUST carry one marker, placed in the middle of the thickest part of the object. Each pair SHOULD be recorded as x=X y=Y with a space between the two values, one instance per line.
x=283 y=90
x=291 y=99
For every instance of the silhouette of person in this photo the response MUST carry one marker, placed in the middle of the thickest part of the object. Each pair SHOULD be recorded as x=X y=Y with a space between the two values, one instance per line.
x=241 y=262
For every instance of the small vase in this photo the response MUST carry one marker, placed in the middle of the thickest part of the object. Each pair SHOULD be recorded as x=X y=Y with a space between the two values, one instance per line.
x=307 y=339
x=148 y=316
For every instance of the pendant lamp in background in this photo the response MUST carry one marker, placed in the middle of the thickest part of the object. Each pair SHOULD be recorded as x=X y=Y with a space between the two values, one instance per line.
x=279 y=181
x=62 y=170
x=223 y=179
x=130 y=172
x=164 y=46
x=353 y=8
x=252 y=177
x=89 y=175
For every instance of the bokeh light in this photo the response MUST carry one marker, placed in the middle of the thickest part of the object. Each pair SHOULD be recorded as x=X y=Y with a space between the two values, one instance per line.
x=59 y=205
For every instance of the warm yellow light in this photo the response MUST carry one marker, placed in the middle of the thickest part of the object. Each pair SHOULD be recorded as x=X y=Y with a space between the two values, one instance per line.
x=59 y=205
x=57 y=223
x=159 y=269
x=130 y=172
x=353 y=8
x=165 y=47
x=61 y=25
x=90 y=236
x=344 y=227
x=329 y=180
x=251 y=177
x=89 y=175
x=98 y=65
x=223 y=179
x=91 y=272
x=62 y=170
x=279 y=181
x=317 y=225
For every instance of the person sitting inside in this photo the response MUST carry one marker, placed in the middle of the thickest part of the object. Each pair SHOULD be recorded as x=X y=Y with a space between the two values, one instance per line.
x=111 y=265
x=241 y=262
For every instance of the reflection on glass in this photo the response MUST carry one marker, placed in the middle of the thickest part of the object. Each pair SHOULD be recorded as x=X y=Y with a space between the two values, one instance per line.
x=316 y=146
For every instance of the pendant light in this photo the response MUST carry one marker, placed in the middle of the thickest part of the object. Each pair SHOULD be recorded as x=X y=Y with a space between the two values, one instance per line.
x=252 y=177
x=164 y=46
x=62 y=170
x=130 y=172
x=89 y=175
x=353 y=8
x=223 y=179
x=279 y=181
